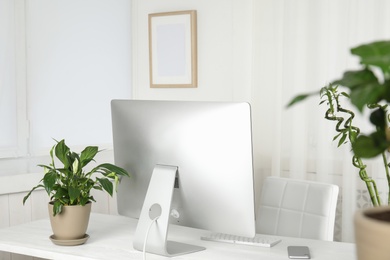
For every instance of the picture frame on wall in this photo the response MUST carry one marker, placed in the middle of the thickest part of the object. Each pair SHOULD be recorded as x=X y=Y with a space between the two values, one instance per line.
x=173 y=49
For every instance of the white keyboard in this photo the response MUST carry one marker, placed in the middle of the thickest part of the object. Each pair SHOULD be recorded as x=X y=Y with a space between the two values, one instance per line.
x=258 y=240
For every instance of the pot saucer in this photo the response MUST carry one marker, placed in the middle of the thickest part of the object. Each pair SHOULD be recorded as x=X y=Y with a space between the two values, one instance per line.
x=69 y=242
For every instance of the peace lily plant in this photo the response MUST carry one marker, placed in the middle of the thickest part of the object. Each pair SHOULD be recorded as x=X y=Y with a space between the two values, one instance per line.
x=69 y=184
x=367 y=87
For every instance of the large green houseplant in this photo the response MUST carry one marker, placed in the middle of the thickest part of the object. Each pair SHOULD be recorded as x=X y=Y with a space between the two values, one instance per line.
x=368 y=87
x=69 y=184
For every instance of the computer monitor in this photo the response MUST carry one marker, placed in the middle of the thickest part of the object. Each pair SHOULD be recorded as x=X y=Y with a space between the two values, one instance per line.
x=190 y=162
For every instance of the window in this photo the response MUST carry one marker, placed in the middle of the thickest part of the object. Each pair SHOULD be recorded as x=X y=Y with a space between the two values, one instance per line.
x=12 y=112
x=63 y=63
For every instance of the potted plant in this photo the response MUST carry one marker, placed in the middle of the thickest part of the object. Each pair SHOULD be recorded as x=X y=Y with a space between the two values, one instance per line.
x=368 y=87
x=69 y=187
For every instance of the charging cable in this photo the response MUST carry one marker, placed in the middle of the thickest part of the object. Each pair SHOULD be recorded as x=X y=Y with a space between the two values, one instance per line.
x=146 y=236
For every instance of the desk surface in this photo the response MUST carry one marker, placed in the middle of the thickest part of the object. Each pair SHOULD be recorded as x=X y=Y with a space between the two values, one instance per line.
x=111 y=238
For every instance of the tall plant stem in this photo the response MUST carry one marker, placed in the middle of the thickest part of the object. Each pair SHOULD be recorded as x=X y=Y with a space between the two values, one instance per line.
x=387 y=165
x=345 y=130
x=370 y=183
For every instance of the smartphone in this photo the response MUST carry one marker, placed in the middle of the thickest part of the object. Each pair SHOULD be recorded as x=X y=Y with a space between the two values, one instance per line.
x=298 y=252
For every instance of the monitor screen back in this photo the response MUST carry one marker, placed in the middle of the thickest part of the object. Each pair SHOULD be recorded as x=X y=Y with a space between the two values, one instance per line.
x=209 y=142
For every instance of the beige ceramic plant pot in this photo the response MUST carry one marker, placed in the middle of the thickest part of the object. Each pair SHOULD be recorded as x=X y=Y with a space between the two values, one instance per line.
x=72 y=223
x=372 y=233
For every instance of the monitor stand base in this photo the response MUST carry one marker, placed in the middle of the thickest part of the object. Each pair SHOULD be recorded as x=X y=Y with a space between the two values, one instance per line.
x=176 y=248
x=154 y=218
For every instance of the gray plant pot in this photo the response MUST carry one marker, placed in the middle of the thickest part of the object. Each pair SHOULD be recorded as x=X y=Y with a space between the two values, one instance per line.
x=72 y=223
x=372 y=233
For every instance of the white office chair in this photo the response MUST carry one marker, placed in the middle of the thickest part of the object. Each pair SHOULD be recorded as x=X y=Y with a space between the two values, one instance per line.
x=297 y=208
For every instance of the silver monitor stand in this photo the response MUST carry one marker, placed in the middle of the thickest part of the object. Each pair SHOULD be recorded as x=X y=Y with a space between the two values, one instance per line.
x=157 y=209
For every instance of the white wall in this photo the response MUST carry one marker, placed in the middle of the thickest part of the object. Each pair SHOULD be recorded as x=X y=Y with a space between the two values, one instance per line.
x=224 y=50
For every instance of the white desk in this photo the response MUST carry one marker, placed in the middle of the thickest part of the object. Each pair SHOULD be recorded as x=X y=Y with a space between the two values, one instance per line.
x=111 y=238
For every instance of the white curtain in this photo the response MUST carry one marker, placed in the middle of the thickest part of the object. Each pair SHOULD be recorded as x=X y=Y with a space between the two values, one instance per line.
x=300 y=46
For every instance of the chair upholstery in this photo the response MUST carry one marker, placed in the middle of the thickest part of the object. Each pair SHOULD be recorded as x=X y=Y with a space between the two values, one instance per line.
x=297 y=208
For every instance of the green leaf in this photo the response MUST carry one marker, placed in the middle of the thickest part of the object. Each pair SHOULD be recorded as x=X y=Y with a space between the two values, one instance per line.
x=342 y=139
x=352 y=136
x=49 y=180
x=84 y=200
x=378 y=118
x=113 y=168
x=367 y=94
x=298 y=99
x=386 y=95
x=61 y=152
x=74 y=193
x=51 y=156
x=370 y=146
x=97 y=187
x=72 y=157
x=88 y=154
x=352 y=79
x=107 y=185
x=57 y=208
x=61 y=193
x=28 y=194
x=336 y=136
x=374 y=54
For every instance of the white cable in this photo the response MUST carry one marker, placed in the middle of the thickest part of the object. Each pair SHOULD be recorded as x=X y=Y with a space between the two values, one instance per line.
x=146 y=236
